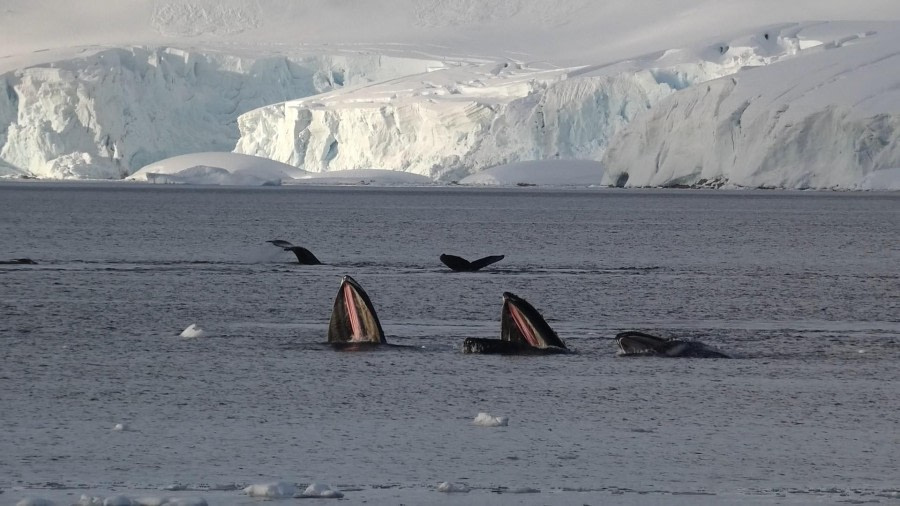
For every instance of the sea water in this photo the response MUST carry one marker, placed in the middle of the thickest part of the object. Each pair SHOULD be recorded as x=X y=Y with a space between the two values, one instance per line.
x=100 y=394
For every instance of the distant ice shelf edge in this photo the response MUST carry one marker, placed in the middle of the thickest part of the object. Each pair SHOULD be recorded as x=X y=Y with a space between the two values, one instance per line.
x=764 y=110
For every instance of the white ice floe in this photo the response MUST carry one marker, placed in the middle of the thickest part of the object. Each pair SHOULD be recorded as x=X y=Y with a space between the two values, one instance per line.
x=278 y=489
x=35 y=501
x=451 y=488
x=487 y=420
x=193 y=330
x=321 y=490
x=186 y=501
x=118 y=500
x=541 y=173
x=121 y=427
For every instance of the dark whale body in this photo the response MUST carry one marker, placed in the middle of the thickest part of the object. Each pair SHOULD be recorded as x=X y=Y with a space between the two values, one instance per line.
x=460 y=264
x=523 y=331
x=635 y=343
x=304 y=256
x=18 y=261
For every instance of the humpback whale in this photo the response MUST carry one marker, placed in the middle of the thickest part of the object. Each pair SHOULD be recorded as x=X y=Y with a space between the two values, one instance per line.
x=353 y=319
x=635 y=343
x=522 y=331
x=304 y=256
x=18 y=261
x=460 y=264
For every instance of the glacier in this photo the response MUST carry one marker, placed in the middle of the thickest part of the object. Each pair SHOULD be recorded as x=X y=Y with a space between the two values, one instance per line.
x=106 y=114
x=659 y=96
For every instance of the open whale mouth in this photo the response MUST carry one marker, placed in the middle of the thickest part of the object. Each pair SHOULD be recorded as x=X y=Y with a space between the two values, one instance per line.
x=522 y=323
x=638 y=343
x=353 y=318
x=525 y=328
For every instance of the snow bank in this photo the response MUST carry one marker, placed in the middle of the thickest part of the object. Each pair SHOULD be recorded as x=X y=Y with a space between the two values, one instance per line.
x=217 y=169
x=884 y=179
x=487 y=420
x=278 y=489
x=543 y=173
x=193 y=330
x=377 y=177
x=828 y=118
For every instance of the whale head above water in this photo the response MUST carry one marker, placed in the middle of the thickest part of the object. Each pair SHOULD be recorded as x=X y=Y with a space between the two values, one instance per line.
x=522 y=331
x=353 y=317
x=635 y=343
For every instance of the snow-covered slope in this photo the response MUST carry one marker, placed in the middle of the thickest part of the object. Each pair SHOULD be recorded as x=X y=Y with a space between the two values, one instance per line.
x=829 y=119
x=443 y=88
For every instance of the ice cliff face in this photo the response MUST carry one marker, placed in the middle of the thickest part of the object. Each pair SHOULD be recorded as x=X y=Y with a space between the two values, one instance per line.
x=459 y=120
x=830 y=119
x=107 y=114
x=445 y=127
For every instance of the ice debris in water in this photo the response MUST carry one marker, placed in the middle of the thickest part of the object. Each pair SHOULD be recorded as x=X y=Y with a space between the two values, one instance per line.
x=121 y=427
x=35 y=501
x=452 y=487
x=486 y=420
x=193 y=330
x=276 y=489
x=118 y=500
x=321 y=490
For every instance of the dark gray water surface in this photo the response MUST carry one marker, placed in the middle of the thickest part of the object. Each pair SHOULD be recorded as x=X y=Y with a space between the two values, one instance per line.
x=804 y=288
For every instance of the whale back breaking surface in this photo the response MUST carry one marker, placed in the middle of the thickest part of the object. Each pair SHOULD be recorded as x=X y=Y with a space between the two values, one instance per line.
x=353 y=317
x=522 y=324
x=635 y=343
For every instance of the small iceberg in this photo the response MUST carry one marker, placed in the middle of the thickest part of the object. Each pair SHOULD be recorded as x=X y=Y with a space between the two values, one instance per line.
x=193 y=330
x=321 y=490
x=486 y=420
x=452 y=488
x=278 y=489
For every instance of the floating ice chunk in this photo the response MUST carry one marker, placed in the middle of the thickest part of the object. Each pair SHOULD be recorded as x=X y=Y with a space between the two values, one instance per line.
x=35 y=501
x=193 y=330
x=86 y=500
x=121 y=427
x=321 y=490
x=452 y=487
x=524 y=490
x=151 y=501
x=187 y=501
x=276 y=489
x=118 y=500
x=486 y=420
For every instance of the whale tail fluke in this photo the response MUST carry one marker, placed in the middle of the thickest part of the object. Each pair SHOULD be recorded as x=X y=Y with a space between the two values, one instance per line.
x=304 y=256
x=460 y=264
